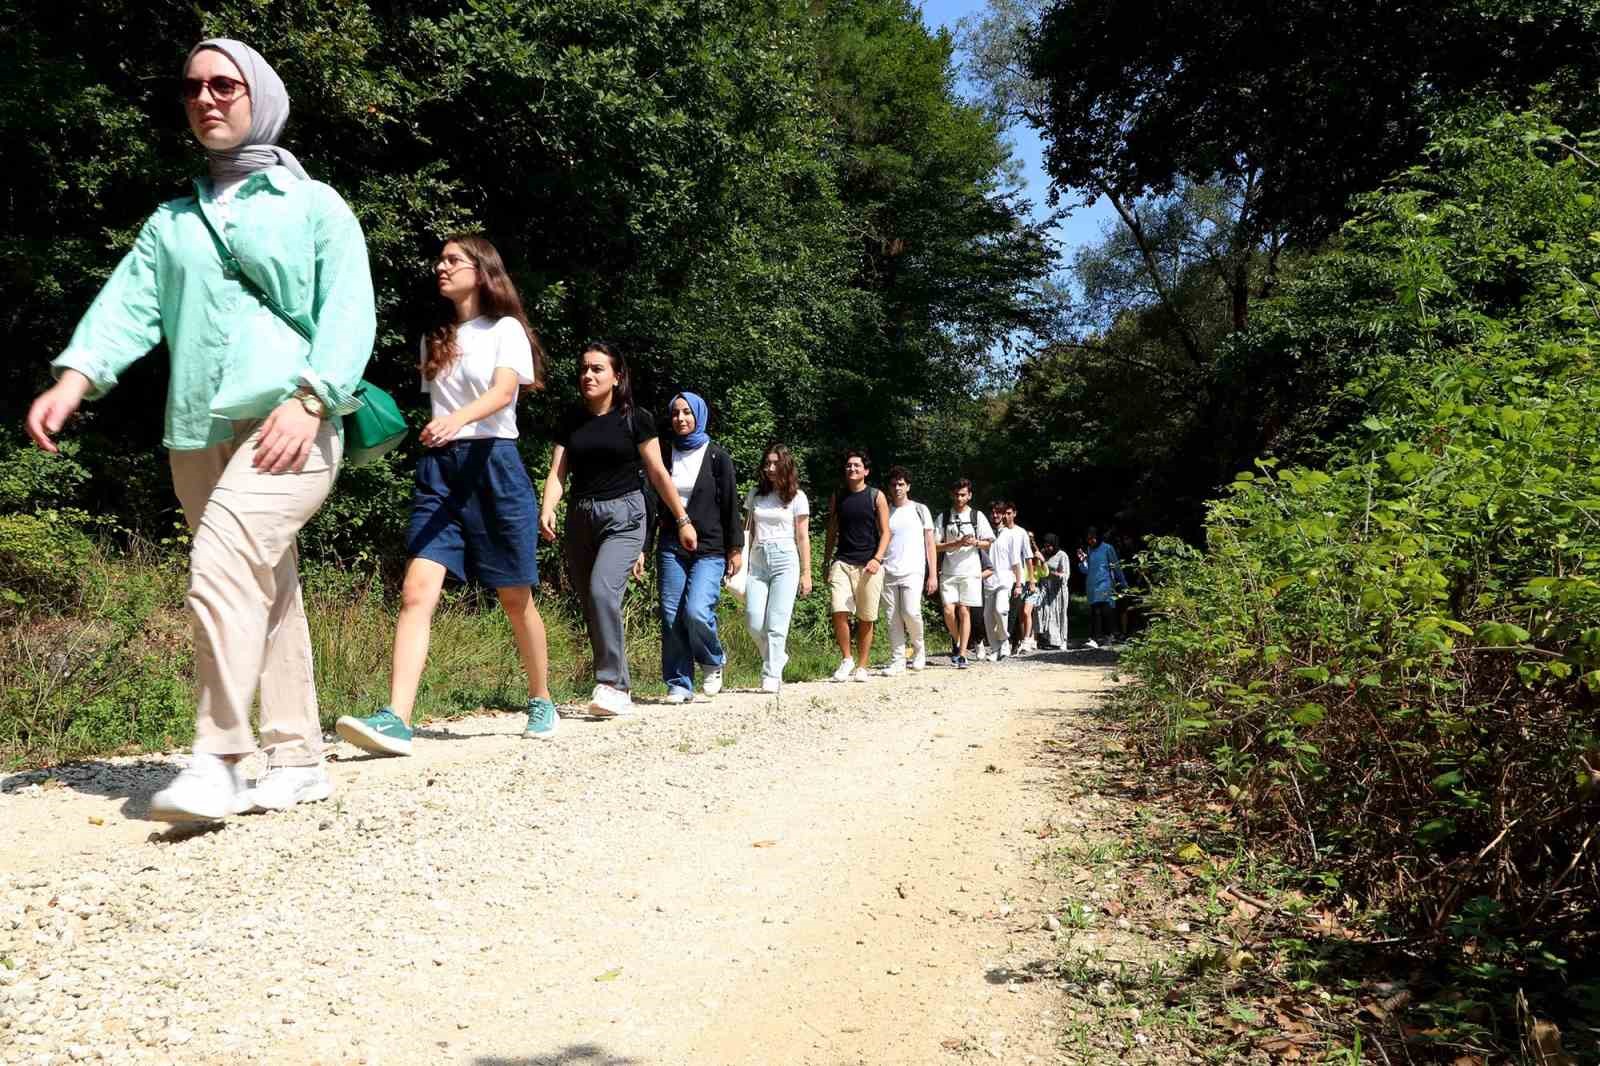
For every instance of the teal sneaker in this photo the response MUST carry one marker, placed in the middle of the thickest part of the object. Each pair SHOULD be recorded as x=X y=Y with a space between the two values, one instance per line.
x=541 y=719
x=382 y=733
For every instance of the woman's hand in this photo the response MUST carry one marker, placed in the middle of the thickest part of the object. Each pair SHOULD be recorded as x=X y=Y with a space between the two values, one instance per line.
x=547 y=524
x=805 y=584
x=284 y=440
x=638 y=568
x=688 y=539
x=735 y=558
x=441 y=430
x=930 y=586
x=54 y=406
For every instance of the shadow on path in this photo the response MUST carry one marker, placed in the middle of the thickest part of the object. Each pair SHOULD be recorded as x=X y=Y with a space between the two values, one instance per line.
x=575 y=1055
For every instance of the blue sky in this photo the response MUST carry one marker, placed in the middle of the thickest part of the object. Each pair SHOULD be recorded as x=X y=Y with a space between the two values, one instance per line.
x=1083 y=225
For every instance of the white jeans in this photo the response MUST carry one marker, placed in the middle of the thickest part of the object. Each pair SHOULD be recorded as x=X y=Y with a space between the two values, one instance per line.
x=904 y=605
x=997 y=617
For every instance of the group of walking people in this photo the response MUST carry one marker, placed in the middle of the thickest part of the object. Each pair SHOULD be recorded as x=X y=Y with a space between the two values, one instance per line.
x=260 y=286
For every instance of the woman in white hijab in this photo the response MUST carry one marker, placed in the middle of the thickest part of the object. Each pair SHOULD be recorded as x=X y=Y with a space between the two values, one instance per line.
x=260 y=287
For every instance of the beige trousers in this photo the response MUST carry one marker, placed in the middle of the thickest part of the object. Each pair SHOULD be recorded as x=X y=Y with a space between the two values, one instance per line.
x=244 y=593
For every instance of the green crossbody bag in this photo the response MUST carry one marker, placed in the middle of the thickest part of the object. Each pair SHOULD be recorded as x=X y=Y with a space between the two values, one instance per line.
x=372 y=430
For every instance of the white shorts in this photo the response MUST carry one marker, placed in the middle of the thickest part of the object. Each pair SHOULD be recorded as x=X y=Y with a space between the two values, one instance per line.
x=964 y=590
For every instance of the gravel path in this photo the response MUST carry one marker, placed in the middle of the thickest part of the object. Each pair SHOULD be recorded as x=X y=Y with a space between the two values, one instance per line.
x=843 y=875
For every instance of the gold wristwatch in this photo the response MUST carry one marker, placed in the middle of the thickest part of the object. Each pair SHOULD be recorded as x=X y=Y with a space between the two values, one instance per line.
x=312 y=403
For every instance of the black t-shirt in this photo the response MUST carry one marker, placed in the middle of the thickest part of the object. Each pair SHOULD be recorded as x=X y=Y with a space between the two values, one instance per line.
x=858 y=526
x=603 y=451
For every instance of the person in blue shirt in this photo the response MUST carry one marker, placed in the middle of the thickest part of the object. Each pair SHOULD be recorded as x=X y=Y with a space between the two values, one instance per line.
x=1102 y=576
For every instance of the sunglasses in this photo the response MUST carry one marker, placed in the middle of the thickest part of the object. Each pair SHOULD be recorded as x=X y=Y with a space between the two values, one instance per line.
x=223 y=90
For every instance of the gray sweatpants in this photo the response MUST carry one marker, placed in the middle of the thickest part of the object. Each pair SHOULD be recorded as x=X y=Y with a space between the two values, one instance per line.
x=604 y=537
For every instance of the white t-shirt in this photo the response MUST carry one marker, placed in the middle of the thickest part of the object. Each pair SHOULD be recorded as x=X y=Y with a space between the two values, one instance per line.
x=686 y=470
x=486 y=344
x=774 y=518
x=1009 y=550
x=962 y=562
x=906 y=561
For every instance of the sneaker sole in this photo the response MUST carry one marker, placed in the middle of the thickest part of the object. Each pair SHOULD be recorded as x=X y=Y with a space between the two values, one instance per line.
x=538 y=734
x=357 y=733
x=184 y=816
x=314 y=794
x=597 y=711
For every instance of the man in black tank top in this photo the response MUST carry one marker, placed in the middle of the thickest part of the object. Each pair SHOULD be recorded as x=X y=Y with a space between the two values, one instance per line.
x=858 y=526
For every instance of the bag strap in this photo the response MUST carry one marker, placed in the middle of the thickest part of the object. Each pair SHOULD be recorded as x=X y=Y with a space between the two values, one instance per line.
x=231 y=261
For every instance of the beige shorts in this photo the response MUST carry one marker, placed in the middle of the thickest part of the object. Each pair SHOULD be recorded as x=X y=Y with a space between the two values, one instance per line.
x=963 y=590
x=854 y=591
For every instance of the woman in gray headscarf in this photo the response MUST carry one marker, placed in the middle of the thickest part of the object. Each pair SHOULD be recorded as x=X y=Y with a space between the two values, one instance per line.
x=259 y=285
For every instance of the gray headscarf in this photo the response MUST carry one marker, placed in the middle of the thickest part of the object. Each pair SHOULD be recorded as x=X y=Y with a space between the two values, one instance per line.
x=269 y=113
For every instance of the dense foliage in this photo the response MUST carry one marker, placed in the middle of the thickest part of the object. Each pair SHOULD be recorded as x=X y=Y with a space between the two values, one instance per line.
x=781 y=205
x=1392 y=658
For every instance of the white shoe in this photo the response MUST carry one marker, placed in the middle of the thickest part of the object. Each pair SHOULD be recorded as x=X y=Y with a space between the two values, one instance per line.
x=208 y=789
x=771 y=684
x=712 y=683
x=861 y=674
x=846 y=667
x=679 y=695
x=921 y=661
x=982 y=654
x=1029 y=645
x=895 y=668
x=1092 y=643
x=281 y=787
x=1002 y=655
x=609 y=702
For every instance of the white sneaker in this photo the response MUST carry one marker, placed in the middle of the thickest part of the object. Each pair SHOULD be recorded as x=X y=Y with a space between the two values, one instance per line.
x=678 y=695
x=609 y=702
x=1029 y=645
x=281 y=787
x=846 y=667
x=1092 y=643
x=1001 y=655
x=921 y=661
x=771 y=684
x=861 y=674
x=896 y=667
x=712 y=684
x=208 y=789
x=982 y=654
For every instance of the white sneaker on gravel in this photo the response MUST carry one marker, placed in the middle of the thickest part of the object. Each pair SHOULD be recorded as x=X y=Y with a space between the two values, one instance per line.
x=609 y=702
x=921 y=661
x=712 y=683
x=679 y=695
x=281 y=787
x=846 y=668
x=207 y=790
x=896 y=667
x=861 y=674
x=771 y=684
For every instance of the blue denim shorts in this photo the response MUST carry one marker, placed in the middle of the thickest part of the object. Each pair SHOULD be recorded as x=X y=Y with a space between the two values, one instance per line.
x=474 y=513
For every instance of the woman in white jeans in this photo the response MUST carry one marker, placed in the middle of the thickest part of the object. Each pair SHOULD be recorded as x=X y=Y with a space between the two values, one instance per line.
x=777 y=520
x=909 y=572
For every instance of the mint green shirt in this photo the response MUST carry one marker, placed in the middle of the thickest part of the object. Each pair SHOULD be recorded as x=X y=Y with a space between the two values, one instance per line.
x=232 y=357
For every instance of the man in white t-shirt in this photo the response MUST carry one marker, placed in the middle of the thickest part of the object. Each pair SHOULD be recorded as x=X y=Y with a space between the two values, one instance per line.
x=961 y=532
x=1007 y=555
x=908 y=568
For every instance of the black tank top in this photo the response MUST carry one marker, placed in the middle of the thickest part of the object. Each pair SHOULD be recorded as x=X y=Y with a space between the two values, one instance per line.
x=858 y=527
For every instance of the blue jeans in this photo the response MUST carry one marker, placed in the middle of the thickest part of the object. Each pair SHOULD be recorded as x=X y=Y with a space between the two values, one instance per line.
x=769 y=602
x=690 y=587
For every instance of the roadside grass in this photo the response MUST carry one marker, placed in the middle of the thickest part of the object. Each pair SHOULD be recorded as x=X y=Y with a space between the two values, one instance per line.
x=112 y=671
x=1175 y=935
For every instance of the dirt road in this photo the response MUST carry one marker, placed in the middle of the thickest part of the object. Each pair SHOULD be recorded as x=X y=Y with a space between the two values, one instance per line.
x=847 y=874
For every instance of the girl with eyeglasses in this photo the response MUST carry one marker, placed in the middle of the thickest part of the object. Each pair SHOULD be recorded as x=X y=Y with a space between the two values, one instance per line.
x=473 y=512
x=778 y=522
x=259 y=285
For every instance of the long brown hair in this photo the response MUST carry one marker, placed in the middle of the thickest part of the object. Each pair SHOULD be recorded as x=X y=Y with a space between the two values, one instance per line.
x=497 y=298
x=787 y=484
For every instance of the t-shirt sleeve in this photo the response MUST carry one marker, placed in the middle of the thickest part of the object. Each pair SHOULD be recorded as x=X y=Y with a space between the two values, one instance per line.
x=984 y=530
x=567 y=427
x=512 y=349
x=802 y=506
x=926 y=516
x=644 y=425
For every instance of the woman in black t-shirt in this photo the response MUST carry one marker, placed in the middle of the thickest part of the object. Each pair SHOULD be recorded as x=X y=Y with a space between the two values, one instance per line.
x=606 y=443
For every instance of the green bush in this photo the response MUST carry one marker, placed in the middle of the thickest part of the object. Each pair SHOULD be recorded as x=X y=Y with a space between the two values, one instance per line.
x=1392 y=661
x=42 y=559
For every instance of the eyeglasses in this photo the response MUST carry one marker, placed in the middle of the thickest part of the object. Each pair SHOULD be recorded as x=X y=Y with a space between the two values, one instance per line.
x=223 y=90
x=453 y=262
